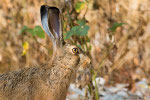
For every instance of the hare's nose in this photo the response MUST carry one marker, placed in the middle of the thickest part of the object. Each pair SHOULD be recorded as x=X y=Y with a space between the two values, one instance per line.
x=88 y=60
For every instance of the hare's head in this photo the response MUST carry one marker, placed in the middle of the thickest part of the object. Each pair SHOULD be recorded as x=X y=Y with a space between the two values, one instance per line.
x=66 y=55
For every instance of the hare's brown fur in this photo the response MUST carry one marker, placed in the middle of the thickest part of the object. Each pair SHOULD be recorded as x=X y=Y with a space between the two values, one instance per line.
x=50 y=82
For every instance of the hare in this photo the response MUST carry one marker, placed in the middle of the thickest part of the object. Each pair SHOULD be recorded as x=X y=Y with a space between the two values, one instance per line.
x=51 y=81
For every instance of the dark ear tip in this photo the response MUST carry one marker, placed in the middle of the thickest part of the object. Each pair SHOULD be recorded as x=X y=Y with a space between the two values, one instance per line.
x=43 y=8
x=55 y=9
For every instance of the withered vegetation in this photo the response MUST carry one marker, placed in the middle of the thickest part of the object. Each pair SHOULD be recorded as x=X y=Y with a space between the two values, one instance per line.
x=127 y=61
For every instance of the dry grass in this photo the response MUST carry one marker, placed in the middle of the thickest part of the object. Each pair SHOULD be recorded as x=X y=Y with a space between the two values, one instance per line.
x=127 y=61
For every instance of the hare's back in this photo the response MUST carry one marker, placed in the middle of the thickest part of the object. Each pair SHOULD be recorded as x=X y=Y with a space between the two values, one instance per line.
x=22 y=84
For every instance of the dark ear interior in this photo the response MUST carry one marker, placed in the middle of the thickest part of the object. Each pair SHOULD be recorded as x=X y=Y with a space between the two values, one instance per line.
x=54 y=21
x=44 y=20
x=50 y=18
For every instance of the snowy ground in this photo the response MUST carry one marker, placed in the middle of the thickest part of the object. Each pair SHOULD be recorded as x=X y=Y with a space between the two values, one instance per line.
x=118 y=92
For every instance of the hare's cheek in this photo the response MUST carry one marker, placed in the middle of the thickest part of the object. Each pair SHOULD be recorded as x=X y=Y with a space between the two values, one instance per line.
x=76 y=59
x=83 y=66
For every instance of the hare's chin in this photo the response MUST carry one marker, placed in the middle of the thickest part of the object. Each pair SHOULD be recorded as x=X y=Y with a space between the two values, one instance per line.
x=81 y=69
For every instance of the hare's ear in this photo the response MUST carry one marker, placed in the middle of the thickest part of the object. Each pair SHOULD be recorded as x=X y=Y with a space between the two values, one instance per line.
x=51 y=21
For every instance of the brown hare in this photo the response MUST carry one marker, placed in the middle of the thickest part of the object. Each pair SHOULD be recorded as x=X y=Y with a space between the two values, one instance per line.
x=51 y=81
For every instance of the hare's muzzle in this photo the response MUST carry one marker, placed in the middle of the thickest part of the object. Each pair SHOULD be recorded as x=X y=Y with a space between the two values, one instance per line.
x=84 y=63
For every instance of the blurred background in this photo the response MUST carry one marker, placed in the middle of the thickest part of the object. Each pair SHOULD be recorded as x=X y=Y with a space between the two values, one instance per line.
x=118 y=38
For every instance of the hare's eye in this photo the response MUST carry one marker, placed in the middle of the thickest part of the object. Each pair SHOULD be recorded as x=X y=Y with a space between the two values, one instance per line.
x=76 y=50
